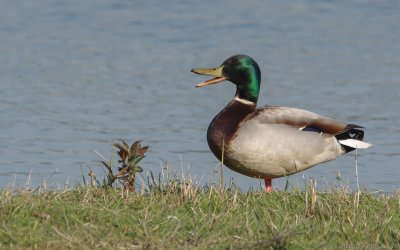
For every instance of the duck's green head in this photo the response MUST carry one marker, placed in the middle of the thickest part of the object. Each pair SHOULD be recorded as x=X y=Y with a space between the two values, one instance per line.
x=241 y=70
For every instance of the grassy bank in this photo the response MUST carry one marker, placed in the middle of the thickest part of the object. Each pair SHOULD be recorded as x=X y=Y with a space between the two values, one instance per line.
x=197 y=218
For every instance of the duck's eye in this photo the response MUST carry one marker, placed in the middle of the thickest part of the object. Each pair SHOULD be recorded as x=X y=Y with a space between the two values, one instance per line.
x=235 y=62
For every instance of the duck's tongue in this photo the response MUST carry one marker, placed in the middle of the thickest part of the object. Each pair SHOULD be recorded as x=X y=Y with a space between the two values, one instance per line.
x=211 y=81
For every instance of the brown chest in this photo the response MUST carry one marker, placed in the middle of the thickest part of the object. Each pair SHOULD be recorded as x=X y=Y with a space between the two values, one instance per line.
x=224 y=126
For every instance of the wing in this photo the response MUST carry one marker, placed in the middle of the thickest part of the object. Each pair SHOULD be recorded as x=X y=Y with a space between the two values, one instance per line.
x=301 y=119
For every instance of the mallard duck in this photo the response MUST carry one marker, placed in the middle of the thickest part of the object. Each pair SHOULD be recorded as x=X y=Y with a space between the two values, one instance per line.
x=271 y=141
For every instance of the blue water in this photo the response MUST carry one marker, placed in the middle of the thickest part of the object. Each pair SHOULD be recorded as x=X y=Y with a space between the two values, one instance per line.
x=76 y=76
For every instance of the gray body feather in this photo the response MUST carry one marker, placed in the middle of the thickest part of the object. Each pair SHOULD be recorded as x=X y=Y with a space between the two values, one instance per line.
x=273 y=143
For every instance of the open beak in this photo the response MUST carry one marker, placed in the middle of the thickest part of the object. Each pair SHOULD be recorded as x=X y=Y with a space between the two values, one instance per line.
x=215 y=72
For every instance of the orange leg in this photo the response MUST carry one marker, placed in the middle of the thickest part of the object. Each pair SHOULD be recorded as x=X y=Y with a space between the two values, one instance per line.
x=268 y=185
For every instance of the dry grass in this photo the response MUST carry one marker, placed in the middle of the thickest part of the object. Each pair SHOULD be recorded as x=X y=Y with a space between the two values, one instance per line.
x=178 y=214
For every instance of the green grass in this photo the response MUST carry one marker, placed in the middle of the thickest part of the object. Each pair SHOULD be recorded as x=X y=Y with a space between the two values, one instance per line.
x=187 y=217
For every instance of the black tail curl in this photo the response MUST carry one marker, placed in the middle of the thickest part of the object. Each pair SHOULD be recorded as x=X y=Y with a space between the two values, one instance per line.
x=351 y=131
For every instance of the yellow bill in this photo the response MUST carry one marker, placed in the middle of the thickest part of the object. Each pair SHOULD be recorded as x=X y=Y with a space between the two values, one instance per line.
x=215 y=72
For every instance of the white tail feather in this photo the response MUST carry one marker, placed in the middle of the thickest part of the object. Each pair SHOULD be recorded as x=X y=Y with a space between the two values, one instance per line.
x=355 y=143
